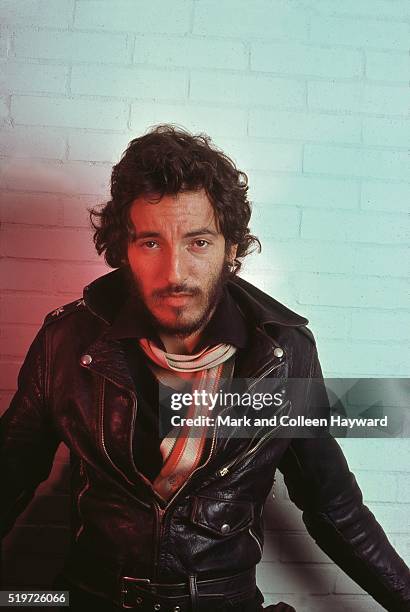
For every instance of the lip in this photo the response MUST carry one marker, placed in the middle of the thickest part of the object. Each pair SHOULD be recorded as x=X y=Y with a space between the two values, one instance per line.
x=177 y=299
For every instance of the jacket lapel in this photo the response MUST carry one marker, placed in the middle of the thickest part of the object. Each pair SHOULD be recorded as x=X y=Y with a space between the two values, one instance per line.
x=116 y=405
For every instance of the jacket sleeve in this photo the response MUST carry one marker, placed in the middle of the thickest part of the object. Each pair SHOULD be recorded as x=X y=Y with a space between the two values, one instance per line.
x=320 y=483
x=28 y=441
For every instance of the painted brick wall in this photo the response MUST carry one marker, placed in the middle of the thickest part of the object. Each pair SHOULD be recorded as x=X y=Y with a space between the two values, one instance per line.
x=310 y=98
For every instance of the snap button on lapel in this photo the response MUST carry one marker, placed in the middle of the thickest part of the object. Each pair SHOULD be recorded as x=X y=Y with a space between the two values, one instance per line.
x=278 y=352
x=86 y=360
x=225 y=528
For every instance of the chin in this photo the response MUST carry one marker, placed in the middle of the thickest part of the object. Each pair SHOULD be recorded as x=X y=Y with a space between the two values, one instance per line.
x=179 y=327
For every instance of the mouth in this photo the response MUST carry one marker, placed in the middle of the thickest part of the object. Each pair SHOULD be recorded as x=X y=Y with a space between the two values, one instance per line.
x=177 y=299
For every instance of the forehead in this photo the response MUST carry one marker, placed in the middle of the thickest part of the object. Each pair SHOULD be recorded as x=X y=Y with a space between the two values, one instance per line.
x=187 y=209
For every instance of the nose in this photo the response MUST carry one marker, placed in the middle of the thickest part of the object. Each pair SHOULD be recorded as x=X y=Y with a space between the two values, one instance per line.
x=175 y=266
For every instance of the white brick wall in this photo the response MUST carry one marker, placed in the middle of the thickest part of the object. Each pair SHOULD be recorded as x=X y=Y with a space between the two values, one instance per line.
x=310 y=98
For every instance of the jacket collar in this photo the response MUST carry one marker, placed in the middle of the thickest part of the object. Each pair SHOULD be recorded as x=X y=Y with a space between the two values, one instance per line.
x=263 y=309
x=105 y=296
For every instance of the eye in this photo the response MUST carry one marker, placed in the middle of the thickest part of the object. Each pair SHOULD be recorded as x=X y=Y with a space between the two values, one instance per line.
x=150 y=244
x=201 y=244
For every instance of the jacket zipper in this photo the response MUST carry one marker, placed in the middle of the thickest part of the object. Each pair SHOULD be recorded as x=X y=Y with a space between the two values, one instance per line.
x=158 y=536
x=227 y=468
x=83 y=489
x=134 y=414
x=161 y=511
x=102 y=432
x=255 y=537
x=268 y=371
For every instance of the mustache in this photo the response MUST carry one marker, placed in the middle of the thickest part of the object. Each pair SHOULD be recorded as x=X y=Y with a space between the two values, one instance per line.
x=174 y=289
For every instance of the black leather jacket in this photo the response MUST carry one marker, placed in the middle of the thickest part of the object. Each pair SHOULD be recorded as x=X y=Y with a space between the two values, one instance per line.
x=75 y=387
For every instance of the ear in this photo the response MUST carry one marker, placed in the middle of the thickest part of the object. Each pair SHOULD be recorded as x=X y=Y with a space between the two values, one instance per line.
x=232 y=253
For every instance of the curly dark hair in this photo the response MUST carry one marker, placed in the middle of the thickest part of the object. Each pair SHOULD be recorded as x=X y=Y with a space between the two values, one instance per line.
x=165 y=161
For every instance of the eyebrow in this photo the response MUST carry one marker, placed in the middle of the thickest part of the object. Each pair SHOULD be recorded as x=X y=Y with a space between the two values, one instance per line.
x=202 y=231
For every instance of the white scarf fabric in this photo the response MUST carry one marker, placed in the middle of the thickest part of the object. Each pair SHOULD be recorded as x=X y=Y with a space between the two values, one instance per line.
x=182 y=453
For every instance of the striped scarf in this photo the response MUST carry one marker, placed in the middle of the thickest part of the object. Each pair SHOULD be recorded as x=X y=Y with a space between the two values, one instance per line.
x=181 y=452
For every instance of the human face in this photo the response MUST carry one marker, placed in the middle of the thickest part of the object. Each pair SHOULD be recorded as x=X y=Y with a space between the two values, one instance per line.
x=178 y=260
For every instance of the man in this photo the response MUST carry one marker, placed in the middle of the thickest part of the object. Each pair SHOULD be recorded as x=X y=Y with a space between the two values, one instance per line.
x=165 y=520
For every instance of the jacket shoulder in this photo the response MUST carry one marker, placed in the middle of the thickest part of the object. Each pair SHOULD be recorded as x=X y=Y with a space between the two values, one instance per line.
x=269 y=312
x=299 y=337
x=307 y=333
x=63 y=311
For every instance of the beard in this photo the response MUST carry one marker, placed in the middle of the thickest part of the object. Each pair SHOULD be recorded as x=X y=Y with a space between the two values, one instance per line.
x=182 y=325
